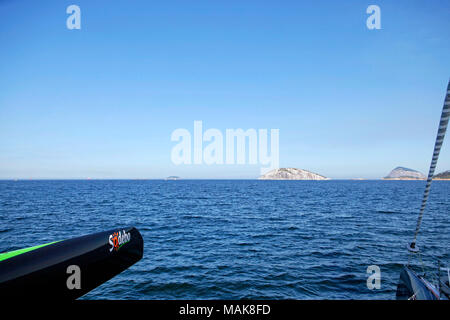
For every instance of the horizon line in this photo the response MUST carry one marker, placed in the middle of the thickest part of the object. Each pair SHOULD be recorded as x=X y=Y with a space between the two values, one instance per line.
x=166 y=179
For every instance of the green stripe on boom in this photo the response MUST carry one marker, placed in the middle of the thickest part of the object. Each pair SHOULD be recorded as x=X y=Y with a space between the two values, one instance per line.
x=10 y=254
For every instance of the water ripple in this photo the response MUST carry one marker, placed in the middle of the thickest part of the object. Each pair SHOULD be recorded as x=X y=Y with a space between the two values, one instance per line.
x=238 y=239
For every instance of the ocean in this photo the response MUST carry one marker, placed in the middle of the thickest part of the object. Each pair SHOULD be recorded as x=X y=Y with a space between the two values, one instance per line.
x=239 y=239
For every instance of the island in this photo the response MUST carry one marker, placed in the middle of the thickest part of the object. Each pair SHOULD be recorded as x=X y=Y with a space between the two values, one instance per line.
x=173 y=178
x=291 y=174
x=442 y=176
x=402 y=173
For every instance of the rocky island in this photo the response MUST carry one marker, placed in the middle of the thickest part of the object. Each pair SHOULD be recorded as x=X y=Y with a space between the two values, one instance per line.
x=442 y=176
x=291 y=174
x=402 y=173
x=173 y=178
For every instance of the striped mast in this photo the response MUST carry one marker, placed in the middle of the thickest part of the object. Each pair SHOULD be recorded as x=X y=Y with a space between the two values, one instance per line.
x=437 y=148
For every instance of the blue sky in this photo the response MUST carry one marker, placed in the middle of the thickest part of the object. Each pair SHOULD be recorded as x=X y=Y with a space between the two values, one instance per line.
x=102 y=102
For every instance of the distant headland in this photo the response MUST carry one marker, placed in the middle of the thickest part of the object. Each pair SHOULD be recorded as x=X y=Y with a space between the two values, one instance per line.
x=291 y=174
x=442 y=176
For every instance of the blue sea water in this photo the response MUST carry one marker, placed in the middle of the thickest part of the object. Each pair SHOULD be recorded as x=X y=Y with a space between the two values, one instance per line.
x=234 y=239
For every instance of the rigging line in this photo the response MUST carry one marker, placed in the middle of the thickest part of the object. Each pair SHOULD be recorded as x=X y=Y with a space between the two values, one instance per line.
x=437 y=148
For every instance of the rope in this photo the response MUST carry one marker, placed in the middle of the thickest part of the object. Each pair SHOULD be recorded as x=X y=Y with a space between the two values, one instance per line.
x=437 y=148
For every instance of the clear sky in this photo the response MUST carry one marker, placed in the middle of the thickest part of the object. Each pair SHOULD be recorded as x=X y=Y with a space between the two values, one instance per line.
x=102 y=101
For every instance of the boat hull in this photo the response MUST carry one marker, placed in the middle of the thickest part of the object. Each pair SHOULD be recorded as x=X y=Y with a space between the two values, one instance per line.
x=70 y=268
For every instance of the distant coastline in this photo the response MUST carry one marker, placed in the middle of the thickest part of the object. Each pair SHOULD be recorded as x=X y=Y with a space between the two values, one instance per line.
x=200 y=179
x=403 y=179
x=276 y=174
